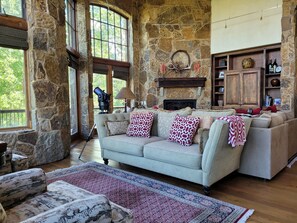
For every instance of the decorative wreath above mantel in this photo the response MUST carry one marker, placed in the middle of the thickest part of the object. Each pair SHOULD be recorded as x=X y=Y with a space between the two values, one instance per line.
x=180 y=61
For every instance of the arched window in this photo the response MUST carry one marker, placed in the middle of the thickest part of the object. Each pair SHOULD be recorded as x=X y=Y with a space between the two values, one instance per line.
x=109 y=34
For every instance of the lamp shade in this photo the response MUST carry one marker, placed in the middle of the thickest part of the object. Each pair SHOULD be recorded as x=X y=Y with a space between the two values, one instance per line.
x=125 y=93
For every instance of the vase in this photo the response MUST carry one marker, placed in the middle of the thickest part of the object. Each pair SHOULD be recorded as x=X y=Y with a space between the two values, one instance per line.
x=247 y=63
x=275 y=82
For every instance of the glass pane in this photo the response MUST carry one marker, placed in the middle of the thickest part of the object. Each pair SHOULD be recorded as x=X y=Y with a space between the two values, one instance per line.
x=117 y=20
x=118 y=38
x=96 y=13
x=98 y=48
x=99 y=80
x=118 y=84
x=124 y=37
x=67 y=35
x=111 y=33
x=12 y=88
x=124 y=53
x=105 y=50
x=110 y=17
x=123 y=22
x=112 y=51
x=96 y=29
x=12 y=7
x=104 y=15
x=119 y=52
x=104 y=32
x=73 y=100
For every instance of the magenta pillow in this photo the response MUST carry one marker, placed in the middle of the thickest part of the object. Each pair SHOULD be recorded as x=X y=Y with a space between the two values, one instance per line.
x=140 y=124
x=183 y=129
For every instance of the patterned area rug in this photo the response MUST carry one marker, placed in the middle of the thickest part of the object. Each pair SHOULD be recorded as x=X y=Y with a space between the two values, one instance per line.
x=150 y=200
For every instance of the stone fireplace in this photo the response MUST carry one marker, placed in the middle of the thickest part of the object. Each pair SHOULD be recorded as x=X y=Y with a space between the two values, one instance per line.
x=175 y=104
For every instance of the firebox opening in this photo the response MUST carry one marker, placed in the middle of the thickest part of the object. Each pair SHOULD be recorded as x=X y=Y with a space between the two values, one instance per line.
x=175 y=104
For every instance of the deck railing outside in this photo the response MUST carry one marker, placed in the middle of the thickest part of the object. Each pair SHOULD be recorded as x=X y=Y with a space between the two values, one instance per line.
x=12 y=118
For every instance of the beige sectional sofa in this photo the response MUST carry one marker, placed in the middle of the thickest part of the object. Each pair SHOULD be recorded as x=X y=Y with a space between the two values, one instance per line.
x=204 y=164
x=270 y=144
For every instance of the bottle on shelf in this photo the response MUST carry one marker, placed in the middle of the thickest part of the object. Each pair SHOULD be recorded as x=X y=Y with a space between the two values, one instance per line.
x=270 y=66
x=274 y=66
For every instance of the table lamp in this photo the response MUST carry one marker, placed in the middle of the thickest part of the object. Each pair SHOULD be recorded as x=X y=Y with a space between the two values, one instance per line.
x=125 y=93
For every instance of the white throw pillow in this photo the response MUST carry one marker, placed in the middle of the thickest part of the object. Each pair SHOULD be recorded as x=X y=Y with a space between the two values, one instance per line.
x=166 y=118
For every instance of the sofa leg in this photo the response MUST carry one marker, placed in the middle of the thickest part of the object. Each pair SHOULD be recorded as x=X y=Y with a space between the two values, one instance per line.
x=206 y=190
x=105 y=161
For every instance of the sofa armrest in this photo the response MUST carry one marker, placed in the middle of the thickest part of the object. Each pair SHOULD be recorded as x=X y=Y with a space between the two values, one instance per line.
x=16 y=187
x=219 y=159
x=95 y=208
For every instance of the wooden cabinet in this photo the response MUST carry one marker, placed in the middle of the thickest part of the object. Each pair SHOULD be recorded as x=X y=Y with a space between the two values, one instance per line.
x=243 y=88
x=256 y=80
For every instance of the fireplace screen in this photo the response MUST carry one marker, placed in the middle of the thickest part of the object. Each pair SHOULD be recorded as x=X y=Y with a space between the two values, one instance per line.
x=175 y=104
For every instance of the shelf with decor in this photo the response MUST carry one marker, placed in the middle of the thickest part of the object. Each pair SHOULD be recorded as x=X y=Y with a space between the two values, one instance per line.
x=257 y=58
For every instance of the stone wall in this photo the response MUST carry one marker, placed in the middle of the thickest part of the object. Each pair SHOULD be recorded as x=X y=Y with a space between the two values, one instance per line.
x=49 y=140
x=165 y=27
x=289 y=56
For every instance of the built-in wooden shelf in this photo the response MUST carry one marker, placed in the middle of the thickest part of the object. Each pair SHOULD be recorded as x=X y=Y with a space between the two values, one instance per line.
x=181 y=82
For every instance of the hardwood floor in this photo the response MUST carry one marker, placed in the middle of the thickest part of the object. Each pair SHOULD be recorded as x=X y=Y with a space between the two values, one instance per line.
x=273 y=201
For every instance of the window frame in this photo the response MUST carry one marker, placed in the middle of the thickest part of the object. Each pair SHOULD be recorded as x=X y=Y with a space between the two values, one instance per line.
x=27 y=98
x=72 y=25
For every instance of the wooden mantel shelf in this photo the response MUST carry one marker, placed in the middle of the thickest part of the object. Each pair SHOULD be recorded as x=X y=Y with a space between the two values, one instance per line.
x=181 y=82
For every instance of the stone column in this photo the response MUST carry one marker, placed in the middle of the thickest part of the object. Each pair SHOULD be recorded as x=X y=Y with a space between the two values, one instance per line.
x=85 y=71
x=289 y=56
x=48 y=80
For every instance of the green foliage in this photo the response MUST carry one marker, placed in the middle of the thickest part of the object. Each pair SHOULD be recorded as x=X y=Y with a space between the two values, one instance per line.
x=12 y=79
x=12 y=7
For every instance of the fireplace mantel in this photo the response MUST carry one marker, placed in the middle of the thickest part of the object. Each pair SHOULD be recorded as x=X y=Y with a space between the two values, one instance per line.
x=181 y=82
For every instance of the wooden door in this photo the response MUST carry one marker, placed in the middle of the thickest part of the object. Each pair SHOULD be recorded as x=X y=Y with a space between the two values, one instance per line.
x=251 y=88
x=232 y=84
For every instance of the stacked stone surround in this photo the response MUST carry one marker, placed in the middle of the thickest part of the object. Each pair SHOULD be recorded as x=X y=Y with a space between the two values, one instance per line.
x=289 y=56
x=49 y=140
x=165 y=27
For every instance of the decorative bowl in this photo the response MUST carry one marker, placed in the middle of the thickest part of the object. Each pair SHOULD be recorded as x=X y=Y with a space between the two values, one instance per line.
x=275 y=82
x=247 y=63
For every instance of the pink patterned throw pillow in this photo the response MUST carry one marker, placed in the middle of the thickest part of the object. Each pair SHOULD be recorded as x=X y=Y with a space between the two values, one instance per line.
x=140 y=124
x=183 y=129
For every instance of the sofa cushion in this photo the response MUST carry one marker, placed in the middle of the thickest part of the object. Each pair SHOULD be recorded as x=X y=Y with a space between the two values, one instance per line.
x=95 y=208
x=276 y=119
x=58 y=193
x=205 y=123
x=116 y=127
x=154 y=129
x=261 y=122
x=166 y=118
x=213 y=113
x=140 y=124
x=183 y=129
x=128 y=145
x=173 y=153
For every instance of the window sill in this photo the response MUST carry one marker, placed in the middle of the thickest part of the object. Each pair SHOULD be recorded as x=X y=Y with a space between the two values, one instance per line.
x=13 y=22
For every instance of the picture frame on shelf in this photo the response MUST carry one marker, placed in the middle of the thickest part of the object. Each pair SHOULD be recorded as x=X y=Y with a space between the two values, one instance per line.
x=222 y=74
x=277 y=101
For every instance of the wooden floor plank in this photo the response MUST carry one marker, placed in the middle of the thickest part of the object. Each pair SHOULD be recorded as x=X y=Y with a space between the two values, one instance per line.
x=273 y=201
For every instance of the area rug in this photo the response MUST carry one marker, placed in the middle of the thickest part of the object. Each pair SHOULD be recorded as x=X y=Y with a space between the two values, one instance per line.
x=150 y=200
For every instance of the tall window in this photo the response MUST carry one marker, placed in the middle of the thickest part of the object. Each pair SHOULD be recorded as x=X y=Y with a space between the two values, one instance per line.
x=12 y=89
x=109 y=34
x=12 y=7
x=70 y=23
